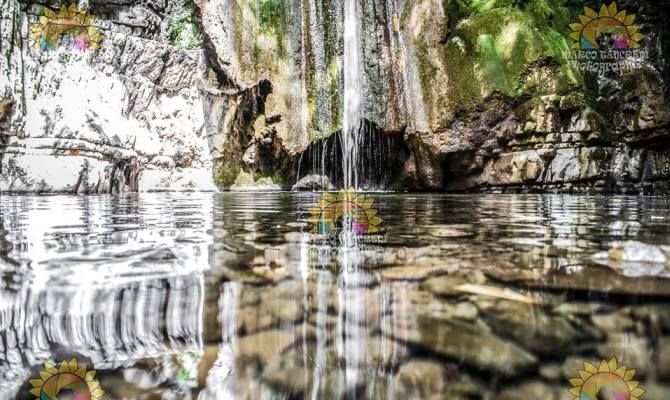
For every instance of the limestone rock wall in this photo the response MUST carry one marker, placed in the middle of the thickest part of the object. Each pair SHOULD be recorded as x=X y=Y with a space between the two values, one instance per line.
x=135 y=114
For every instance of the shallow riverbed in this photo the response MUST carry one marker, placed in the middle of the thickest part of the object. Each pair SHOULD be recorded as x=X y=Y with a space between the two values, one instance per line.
x=229 y=296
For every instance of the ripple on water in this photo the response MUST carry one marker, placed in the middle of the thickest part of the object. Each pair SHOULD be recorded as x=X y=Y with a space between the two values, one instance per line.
x=230 y=296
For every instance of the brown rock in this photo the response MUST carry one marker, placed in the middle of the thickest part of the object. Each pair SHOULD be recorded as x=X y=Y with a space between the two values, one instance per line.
x=424 y=379
x=471 y=345
x=551 y=372
x=533 y=328
x=446 y=285
x=416 y=272
x=615 y=322
x=629 y=349
x=263 y=346
x=663 y=364
x=529 y=390
x=5 y=108
x=589 y=278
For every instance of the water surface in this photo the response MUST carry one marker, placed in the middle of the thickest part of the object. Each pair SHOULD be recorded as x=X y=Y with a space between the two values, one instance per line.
x=228 y=296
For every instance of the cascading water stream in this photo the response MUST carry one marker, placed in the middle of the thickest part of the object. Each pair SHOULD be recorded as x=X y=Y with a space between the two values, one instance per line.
x=352 y=94
x=340 y=93
x=351 y=343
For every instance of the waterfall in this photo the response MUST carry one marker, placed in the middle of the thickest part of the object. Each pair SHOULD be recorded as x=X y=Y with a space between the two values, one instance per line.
x=354 y=58
x=352 y=93
x=222 y=377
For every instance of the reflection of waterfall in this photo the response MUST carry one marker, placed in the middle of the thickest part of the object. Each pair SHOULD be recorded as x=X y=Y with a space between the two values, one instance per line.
x=352 y=93
x=351 y=322
x=221 y=377
x=321 y=332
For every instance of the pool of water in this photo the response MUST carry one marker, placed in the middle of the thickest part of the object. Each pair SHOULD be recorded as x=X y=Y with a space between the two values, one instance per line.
x=230 y=295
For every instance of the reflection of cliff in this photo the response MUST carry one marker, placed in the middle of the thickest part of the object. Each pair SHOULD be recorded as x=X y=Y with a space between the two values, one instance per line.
x=4 y=244
x=114 y=325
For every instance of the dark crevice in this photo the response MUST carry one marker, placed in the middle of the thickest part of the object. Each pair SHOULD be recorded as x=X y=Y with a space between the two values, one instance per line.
x=381 y=156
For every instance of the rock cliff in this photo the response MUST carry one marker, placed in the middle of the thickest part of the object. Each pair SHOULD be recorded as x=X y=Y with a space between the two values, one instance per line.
x=508 y=110
x=457 y=96
x=131 y=115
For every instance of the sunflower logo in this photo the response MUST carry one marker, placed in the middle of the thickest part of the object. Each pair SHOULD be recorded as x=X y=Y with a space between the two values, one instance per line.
x=68 y=378
x=607 y=29
x=609 y=381
x=51 y=25
x=348 y=210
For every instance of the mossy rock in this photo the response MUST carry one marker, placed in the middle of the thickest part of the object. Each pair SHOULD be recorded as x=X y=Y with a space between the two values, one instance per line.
x=491 y=48
x=226 y=174
x=184 y=31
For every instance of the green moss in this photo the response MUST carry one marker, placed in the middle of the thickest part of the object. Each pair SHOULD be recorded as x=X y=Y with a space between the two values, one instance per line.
x=271 y=20
x=279 y=178
x=227 y=174
x=491 y=46
x=184 y=30
x=244 y=179
x=231 y=173
x=485 y=5
x=492 y=68
x=335 y=95
x=573 y=101
x=256 y=53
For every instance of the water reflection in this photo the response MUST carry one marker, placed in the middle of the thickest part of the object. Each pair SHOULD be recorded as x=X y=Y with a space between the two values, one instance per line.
x=226 y=296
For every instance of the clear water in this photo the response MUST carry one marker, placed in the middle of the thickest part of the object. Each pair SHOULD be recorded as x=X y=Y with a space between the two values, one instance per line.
x=225 y=296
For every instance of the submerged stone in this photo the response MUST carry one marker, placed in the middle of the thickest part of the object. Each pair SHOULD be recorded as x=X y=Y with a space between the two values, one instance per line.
x=472 y=346
x=263 y=346
x=426 y=379
x=417 y=272
x=663 y=365
x=591 y=279
x=629 y=349
x=535 y=328
x=451 y=231
x=530 y=390
x=447 y=285
x=288 y=373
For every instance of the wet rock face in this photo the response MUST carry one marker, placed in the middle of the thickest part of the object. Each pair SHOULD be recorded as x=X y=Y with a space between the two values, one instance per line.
x=483 y=93
x=506 y=113
x=252 y=153
x=221 y=93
